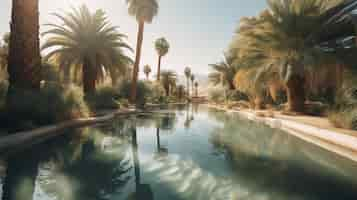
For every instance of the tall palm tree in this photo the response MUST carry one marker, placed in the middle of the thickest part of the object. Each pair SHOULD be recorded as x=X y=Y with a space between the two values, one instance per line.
x=196 y=86
x=162 y=47
x=192 y=78
x=89 y=44
x=144 y=11
x=188 y=76
x=168 y=80
x=24 y=58
x=147 y=71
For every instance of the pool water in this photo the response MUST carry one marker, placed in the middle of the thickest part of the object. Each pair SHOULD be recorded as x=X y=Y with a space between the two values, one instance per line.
x=179 y=153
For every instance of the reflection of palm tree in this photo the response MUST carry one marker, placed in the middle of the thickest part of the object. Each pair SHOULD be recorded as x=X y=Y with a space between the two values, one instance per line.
x=143 y=191
x=161 y=151
x=187 y=123
x=21 y=174
x=75 y=163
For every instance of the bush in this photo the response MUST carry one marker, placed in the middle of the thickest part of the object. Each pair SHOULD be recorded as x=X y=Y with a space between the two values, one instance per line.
x=216 y=95
x=105 y=97
x=143 y=92
x=3 y=91
x=51 y=104
x=344 y=117
x=344 y=113
x=234 y=95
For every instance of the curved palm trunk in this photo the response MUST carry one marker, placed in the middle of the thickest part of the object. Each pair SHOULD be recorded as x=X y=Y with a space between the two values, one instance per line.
x=159 y=68
x=137 y=62
x=89 y=77
x=296 y=94
x=24 y=60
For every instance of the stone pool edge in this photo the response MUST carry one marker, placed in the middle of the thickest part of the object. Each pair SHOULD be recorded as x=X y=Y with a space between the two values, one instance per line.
x=339 y=143
x=47 y=132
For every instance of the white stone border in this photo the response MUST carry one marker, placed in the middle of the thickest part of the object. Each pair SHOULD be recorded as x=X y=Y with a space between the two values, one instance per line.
x=339 y=143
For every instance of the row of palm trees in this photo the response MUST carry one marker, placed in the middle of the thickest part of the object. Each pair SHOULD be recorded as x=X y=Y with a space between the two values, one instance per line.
x=280 y=48
x=86 y=43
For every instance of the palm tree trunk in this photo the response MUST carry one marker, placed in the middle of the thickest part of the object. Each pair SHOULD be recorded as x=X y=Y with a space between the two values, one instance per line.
x=89 y=77
x=188 y=88
x=296 y=94
x=24 y=60
x=137 y=62
x=159 y=68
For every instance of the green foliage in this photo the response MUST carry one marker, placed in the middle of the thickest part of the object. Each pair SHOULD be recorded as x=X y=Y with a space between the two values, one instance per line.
x=168 y=80
x=143 y=92
x=162 y=46
x=3 y=90
x=344 y=112
x=106 y=97
x=345 y=117
x=224 y=72
x=51 y=104
x=143 y=10
x=87 y=40
x=216 y=95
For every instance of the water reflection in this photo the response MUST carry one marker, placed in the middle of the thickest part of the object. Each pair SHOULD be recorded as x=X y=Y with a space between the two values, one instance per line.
x=153 y=157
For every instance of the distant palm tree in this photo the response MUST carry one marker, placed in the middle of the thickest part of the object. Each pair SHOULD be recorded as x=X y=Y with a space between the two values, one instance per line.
x=168 y=80
x=144 y=11
x=88 y=43
x=180 y=91
x=188 y=76
x=162 y=47
x=147 y=71
x=192 y=78
x=224 y=73
x=24 y=58
x=196 y=86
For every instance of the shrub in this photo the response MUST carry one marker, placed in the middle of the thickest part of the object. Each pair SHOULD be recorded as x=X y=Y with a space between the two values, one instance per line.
x=344 y=118
x=3 y=91
x=106 y=97
x=216 y=95
x=51 y=104
x=143 y=92
x=344 y=113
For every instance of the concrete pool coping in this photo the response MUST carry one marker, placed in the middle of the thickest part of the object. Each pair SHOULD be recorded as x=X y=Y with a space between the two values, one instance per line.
x=339 y=143
x=47 y=132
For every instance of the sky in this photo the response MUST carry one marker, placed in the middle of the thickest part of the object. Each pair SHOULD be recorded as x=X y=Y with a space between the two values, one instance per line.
x=198 y=30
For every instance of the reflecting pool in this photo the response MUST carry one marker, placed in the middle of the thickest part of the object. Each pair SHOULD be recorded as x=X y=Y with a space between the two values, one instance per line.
x=180 y=153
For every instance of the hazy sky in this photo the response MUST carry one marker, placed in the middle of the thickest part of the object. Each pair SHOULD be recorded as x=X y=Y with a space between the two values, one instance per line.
x=198 y=30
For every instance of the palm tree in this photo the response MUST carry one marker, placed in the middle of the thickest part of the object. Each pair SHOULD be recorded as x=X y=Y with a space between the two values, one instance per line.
x=162 y=47
x=276 y=41
x=168 y=80
x=180 y=91
x=188 y=76
x=224 y=72
x=24 y=58
x=87 y=43
x=196 y=86
x=144 y=11
x=147 y=71
x=192 y=78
